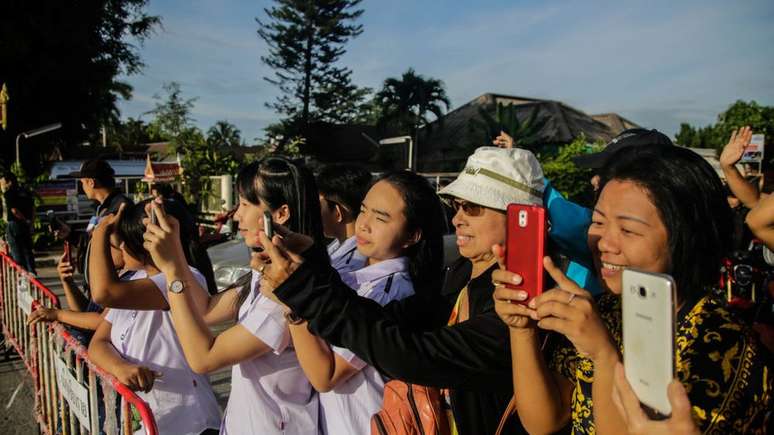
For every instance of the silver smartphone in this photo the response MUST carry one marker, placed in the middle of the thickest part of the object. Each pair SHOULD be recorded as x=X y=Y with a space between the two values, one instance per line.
x=649 y=335
x=267 y=225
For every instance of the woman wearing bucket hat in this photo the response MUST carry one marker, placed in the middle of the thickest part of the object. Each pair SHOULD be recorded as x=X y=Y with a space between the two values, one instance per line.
x=449 y=338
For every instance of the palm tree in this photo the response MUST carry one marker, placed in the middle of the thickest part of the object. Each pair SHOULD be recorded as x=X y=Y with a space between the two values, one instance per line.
x=408 y=103
x=224 y=134
x=525 y=132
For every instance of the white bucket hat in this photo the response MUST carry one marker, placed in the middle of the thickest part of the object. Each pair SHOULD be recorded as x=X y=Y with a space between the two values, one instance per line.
x=495 y=177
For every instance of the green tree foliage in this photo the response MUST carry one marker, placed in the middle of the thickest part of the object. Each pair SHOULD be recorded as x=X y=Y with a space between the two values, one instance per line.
x=130 y=135
x=305 y=41
x=505 y=118
x=172 y=114
x=224 y=135
x=199 y=159
x=573 y=182
x=61 y=62
x=739 y=114
x=406 y=103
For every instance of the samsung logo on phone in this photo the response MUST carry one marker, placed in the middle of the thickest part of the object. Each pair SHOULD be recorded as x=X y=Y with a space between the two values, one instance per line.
x=644 y=317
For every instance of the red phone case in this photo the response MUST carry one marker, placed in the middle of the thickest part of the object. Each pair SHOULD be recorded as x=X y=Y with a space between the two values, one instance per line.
x=68 y=253
x=525 y=246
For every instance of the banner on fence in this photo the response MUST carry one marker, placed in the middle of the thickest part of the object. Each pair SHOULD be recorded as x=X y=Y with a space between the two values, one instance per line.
x=77 y=395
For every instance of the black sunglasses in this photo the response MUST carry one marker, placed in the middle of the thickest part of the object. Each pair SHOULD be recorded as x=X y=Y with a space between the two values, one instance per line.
x=469 y=208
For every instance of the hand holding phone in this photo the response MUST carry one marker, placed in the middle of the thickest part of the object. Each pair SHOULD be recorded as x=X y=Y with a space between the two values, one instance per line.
x=648 y=336
x=525 y=247
x=267 y=225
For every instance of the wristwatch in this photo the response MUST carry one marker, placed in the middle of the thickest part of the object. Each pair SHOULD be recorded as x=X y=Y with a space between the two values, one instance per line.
x=177 y=286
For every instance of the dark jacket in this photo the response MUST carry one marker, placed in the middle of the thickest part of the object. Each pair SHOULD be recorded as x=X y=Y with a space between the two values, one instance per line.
x=409 y=339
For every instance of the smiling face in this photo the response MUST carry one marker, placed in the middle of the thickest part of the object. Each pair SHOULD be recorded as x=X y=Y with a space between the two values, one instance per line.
x=627 y=231
x=477 y=229
x=250 y=219
x=380 y=227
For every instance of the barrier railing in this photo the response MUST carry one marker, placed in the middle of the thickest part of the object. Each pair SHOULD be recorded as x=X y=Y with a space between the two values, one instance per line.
x=72 y=395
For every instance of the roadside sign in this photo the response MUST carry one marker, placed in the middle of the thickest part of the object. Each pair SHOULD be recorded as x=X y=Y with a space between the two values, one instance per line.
x=754 y=152
x=76 y=394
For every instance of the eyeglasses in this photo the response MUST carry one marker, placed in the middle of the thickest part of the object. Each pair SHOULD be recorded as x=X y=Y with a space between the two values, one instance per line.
x=469 y=208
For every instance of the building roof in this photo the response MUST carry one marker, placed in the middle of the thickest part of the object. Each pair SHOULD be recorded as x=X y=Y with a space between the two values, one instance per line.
x=615 y=122
x=446 y=147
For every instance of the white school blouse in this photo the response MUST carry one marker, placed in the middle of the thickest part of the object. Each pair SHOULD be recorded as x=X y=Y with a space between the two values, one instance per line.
x=269 y=394
x=347 y=409
x=345 y=256
x=181 y=400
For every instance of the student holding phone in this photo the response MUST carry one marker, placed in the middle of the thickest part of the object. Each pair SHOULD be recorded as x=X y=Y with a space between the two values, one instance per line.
x=269 y=392
x=662 y=210
x=136 y=340
x=397 y=232
x=447 y=334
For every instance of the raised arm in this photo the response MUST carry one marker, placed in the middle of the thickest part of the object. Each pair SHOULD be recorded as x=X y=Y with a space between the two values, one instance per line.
x=203 y=352
x=761 y=221
x=76 y=300
x=106 y=289
x=78 y=319
x=732 y=153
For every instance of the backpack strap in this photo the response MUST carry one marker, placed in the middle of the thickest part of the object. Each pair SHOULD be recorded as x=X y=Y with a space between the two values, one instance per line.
x=509 y=410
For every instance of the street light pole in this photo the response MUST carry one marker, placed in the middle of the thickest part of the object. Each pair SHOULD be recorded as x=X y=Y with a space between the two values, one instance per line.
x=33 y=133
x=402 y=140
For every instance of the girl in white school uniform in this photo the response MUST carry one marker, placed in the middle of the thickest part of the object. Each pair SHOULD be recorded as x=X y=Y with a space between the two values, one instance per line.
x=399 y=230
x=136 y=341
x=269 y=392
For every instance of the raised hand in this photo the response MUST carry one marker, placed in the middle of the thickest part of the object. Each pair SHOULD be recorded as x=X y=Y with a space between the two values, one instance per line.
x=734 y=149
x=284 y=257
x=64 y=268
x=570 y=310
x=162 y=239
x=503 y=140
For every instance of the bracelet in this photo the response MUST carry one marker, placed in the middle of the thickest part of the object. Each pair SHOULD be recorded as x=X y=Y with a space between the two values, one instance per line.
x=293 y=318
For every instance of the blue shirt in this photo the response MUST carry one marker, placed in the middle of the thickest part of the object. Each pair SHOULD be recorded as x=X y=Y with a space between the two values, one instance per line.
x=569 y=230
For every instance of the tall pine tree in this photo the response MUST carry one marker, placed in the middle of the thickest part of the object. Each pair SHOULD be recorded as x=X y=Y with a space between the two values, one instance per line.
x=306 y=38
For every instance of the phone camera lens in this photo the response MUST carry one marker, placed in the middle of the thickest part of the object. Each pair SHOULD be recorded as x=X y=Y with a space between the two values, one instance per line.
x=643 y=292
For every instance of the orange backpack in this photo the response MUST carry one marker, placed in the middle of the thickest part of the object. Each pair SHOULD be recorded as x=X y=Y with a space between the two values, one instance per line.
x=410 y=409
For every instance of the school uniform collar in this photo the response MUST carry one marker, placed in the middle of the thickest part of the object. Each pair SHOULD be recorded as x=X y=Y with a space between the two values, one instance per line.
x=380 y=270
x=345 y=247
x=333 y=246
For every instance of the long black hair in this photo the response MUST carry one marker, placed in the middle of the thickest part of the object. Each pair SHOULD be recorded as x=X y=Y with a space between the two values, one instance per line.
x=130 y=231
x=275 y=181
x=424 y=213
x=691 y=202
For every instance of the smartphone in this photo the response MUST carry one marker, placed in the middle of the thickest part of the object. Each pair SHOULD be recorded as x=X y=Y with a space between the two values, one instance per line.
x=267 y=225
x=649 y=335
x=68 y=253
x=525 y=247
x=154 y=220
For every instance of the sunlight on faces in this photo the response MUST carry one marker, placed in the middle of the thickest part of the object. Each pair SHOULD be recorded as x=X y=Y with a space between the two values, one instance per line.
x=477 y=234
x=381 y=225
x=626 y=231
x=88 y=187
x=249 y=216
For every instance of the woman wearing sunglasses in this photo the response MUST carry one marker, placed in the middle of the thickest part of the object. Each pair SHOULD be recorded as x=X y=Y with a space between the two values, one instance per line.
x=445 y=336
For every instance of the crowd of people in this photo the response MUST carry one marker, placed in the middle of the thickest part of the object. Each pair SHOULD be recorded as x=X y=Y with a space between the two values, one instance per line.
x=351 y=299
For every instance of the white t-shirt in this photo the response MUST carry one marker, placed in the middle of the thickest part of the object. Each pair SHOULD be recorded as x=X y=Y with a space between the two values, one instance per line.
x=181 y=400
x=269 y=394
x=347 y=409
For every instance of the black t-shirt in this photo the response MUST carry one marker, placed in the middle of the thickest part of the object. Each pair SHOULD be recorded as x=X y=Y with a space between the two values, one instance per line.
x=21 y=201
x=112 y=203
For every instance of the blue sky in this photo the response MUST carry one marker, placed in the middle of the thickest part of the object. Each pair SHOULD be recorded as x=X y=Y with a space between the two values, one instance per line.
x=658 y=63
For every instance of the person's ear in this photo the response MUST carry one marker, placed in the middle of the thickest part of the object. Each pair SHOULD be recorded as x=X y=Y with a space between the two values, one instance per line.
x=281 y=214
x=339 y=213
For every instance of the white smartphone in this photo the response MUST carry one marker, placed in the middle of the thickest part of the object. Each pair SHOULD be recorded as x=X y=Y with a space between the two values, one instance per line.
x=267 y=225
x=649 y=335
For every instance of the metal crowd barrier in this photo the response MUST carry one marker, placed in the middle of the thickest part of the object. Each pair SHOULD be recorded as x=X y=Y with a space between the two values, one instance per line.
x=72 y=395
